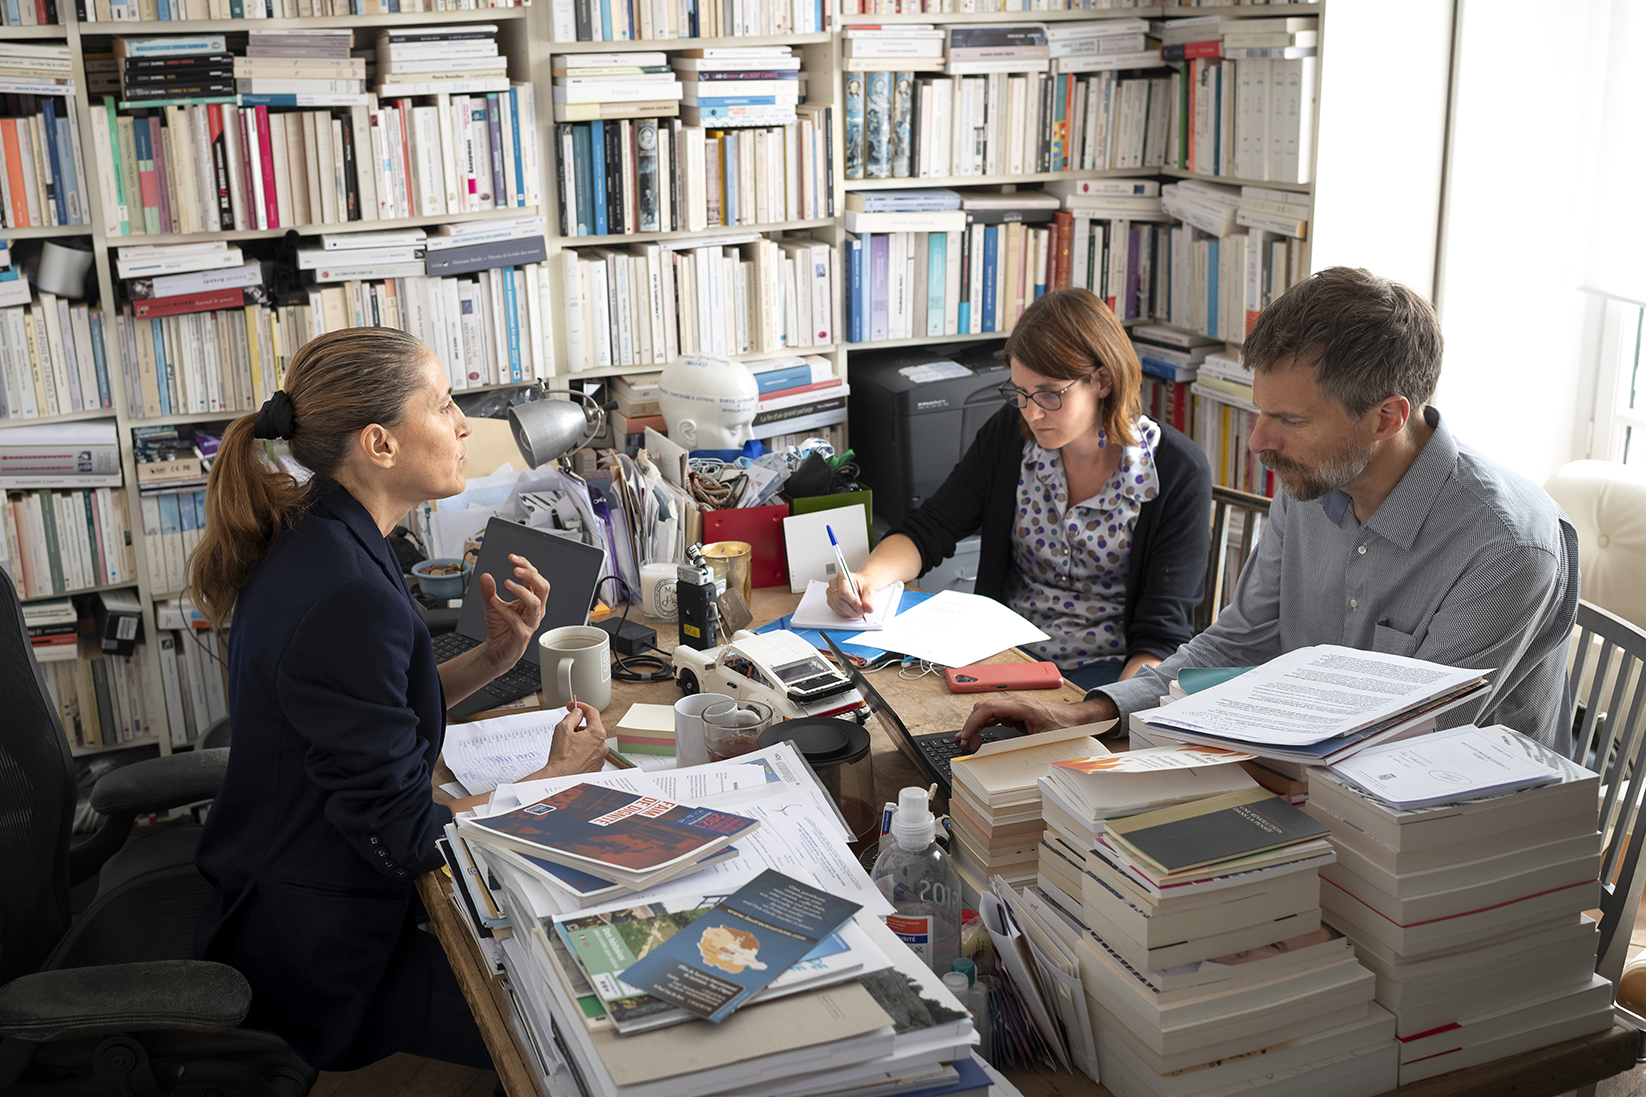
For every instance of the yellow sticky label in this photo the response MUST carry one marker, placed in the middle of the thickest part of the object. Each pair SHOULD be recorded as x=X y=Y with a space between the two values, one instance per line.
x=691 y=630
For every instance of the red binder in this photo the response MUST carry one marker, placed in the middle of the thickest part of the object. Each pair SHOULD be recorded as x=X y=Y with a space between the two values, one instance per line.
x=762 y=528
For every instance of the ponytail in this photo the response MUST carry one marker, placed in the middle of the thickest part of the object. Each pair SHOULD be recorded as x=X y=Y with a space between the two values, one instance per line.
x=337 y=385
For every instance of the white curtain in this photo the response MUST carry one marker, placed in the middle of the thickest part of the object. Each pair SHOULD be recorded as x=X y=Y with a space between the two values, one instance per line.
x=1616 y=215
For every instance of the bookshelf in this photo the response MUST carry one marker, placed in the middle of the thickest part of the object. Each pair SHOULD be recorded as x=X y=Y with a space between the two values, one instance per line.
x=526 y=37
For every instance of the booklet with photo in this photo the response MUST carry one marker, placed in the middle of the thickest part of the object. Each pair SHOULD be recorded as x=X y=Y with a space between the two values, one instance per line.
x=745 y=941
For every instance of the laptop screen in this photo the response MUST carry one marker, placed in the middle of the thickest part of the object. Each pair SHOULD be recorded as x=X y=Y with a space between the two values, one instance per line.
x=572 y=569
x=889 y=717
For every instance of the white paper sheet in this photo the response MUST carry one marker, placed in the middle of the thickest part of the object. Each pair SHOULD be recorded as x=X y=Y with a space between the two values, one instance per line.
x=814 y=612
x=645 y=717
x=510 y=796
x=1444 y=767
x=487 y=753
x=806 y=541
x=956 y=629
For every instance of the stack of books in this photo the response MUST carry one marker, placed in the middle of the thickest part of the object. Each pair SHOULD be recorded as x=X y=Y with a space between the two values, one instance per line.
x=601 y=86
x=53 y=630
x=992 y=48
x=1099 y=44
x=1170 y=361
x=995 y=808
x=159 y=71
x=637 y=405
x=300 y=68
x=604 y=21
x=906 y=48
x=1469 y=912
x=452 y=60
x=342 y=257
x=729 y=86
x=27 y=69
x=1202 y=937
x=647 y=303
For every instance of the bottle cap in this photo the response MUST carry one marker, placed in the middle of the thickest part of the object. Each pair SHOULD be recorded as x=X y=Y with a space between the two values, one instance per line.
x=965 y=967
x=913 y=826
x=956 y=982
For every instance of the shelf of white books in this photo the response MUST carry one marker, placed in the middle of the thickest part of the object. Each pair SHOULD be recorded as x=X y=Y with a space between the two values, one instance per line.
x=1228 y=180
x=905 y=182
x=959 y=18
x=707 y=234
x=129 y=585
x=506 y=214
x=144 y=740
x=317 y=22
x=614 y=371
x=643 y=45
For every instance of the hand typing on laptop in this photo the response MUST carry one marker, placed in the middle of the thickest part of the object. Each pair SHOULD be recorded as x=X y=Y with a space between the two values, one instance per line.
x=1032 y=716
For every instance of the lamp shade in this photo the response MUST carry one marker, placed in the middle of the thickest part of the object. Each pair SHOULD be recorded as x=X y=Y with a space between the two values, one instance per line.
x=547 y=429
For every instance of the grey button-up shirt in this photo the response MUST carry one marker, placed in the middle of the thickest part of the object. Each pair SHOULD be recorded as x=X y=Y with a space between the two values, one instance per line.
x=1465 y=563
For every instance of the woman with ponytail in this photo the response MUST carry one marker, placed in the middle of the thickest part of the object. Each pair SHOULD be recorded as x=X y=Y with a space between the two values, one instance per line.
x=325 y=817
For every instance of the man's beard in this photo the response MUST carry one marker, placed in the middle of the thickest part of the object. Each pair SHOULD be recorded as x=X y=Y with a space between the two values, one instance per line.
x=1332 y=473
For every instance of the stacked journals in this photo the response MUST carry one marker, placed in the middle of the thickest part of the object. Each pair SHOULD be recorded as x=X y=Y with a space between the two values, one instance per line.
x=995 y=807
x=905 y=48
x=1170 y=361
x=600 y=86
x=648 y=303
x=53 y=629
x=132 y=11
x=154 y=70
x=729 y=86
x=1470 y=913
x=42 y=174
x=1204 y=960
x=919 y=266
x=27 y=69
x=458 y=59
x=825 y=1025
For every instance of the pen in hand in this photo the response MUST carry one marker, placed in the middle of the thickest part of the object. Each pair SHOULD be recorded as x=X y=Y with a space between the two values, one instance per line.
x=851 y=584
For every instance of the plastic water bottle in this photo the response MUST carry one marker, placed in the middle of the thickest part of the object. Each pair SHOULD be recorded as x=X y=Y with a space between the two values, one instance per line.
x=916 y=875
x=962 y=983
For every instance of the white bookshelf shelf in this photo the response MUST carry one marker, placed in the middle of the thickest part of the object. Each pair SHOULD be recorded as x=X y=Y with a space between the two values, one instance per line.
x=141 y=741
x=1165 y=11
x=1233 y=181
x=45 y=232
x=70 y=417
x=76 y=590
x=985 y=180
x=317 y=230
x=318 y=22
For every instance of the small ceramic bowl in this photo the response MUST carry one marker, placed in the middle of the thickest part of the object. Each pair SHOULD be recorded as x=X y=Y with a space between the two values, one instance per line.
x=442 y=587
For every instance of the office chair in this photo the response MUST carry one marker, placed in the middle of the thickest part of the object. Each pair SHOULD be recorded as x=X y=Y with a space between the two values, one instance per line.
x=110 y=1003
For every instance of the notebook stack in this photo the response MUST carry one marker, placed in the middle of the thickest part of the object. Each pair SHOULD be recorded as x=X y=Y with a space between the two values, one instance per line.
x=1102 y=44
x=995 y=809
x=981 y=50
x=590 y=87
x=455 y=60
x=724 y=87
x=154 y=71
x=1470 y=913
x=346 y=256
x=1204 y=945
x=297 y=69
x=27 y=69
x=173 y=279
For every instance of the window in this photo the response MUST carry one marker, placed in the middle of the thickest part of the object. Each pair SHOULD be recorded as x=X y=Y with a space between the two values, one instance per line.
x=1620 y=390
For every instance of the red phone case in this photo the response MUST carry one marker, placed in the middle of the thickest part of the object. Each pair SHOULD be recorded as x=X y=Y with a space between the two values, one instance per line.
x=999 y=676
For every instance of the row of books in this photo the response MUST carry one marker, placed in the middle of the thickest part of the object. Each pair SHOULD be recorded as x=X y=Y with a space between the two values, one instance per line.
x=102 y=700
x=42 y=174
x=173 y=520
x=56 y=541
x=676 y=20
x=191 y=679
x=52 y=359
x=30 y=13
x=977 y=7
x=662 y=175
x=1252 y=119
x=1222 y=426
x=647 y=304
x=149 y=11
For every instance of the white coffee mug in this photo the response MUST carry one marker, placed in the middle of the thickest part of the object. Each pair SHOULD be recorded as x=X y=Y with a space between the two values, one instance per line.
x=576 y=663
x=689 y=747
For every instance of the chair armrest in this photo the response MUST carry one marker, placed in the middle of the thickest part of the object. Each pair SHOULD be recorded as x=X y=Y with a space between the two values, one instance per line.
x=90 y=1001
x=160 y=784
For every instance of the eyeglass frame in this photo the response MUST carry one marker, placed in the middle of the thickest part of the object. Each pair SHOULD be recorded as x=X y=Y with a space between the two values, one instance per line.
x=1011 y=393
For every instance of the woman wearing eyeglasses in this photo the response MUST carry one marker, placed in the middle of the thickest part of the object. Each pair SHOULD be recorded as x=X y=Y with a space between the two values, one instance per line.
x=1094 y=518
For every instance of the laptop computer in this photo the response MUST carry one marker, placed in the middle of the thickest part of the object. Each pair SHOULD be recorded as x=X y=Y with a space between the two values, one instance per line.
x=572 y=569
x=931 y=753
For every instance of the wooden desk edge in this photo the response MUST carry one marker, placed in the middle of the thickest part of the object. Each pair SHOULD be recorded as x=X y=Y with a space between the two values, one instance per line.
x=1545 y=1072
x=487 y=999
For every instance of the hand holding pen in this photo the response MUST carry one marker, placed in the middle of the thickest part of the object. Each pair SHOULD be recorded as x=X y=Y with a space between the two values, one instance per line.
x=847 y=582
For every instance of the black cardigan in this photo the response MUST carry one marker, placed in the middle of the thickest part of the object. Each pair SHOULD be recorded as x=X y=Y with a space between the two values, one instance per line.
x=1166 y=572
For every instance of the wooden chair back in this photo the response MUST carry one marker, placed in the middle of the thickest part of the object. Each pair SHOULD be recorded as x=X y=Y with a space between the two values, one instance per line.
x=1609 y=738
x=1237 y=522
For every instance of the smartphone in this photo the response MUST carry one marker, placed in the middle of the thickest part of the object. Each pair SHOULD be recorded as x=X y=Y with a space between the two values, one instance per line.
x=998 y=676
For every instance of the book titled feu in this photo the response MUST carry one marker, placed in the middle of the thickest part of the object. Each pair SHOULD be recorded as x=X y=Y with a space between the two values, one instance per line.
x=743 y=942
x=611 y=833
x=1217 y=829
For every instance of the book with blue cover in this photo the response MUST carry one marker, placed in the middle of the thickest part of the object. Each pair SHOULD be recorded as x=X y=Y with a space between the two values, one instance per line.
x=610 y=833
x=745 y=941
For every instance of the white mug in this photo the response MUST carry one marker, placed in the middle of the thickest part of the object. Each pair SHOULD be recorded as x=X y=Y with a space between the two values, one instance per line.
x=576 y=663
x=689 y=747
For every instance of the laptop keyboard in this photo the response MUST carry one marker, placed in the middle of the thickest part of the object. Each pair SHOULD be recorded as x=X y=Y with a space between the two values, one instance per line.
x=941 y=752
x=517 y=681
x=449 y=645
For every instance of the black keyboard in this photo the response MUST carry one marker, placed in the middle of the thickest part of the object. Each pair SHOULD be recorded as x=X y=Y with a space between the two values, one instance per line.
x=941 y=749
x=449 y=645
x=517 y=681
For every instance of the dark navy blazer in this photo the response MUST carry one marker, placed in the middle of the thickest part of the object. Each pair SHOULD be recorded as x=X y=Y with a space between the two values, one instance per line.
x=325 y=819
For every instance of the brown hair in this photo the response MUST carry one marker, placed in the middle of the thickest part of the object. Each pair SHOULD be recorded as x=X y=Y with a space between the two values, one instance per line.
x=1069 y=333
x=339 y=384
x=1370 y=338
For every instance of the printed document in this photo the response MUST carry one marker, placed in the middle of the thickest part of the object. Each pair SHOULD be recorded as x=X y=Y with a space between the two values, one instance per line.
x=487 y=753
x=955 y=629
x=1445 y=767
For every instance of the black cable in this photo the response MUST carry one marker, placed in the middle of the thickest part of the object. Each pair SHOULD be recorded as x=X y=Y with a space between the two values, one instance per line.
x=623 y=669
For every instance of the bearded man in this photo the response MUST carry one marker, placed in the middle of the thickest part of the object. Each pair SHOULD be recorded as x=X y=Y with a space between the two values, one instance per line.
x=1385 y=533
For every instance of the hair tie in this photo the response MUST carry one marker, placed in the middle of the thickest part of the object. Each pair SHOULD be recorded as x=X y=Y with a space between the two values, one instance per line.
x=277 y=419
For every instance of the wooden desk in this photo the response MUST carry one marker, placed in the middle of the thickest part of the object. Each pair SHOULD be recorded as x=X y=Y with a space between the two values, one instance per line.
x=926 y=705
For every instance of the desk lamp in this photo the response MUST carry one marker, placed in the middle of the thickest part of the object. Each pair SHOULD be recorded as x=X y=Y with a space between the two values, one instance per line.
x=550 y=428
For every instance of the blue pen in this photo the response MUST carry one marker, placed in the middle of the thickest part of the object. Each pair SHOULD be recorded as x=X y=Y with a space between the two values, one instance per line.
x=840 y=558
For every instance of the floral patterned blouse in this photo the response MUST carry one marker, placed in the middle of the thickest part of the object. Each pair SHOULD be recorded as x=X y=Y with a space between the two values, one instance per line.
x=1070 y=562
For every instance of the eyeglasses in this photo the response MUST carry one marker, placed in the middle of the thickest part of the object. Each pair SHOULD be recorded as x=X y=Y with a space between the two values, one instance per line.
x=1050 y=399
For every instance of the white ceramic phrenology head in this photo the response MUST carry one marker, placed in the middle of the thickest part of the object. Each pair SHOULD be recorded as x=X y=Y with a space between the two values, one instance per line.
x=708 y=402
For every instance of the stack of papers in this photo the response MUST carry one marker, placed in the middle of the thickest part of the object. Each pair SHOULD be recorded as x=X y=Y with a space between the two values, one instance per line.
x=1318 y=705
x=1469 y=912
x=994 y=808
x=647 y=729
x=956 y=630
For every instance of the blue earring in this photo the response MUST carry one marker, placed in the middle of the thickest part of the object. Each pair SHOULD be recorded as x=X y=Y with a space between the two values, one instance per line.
x=1102 y=438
